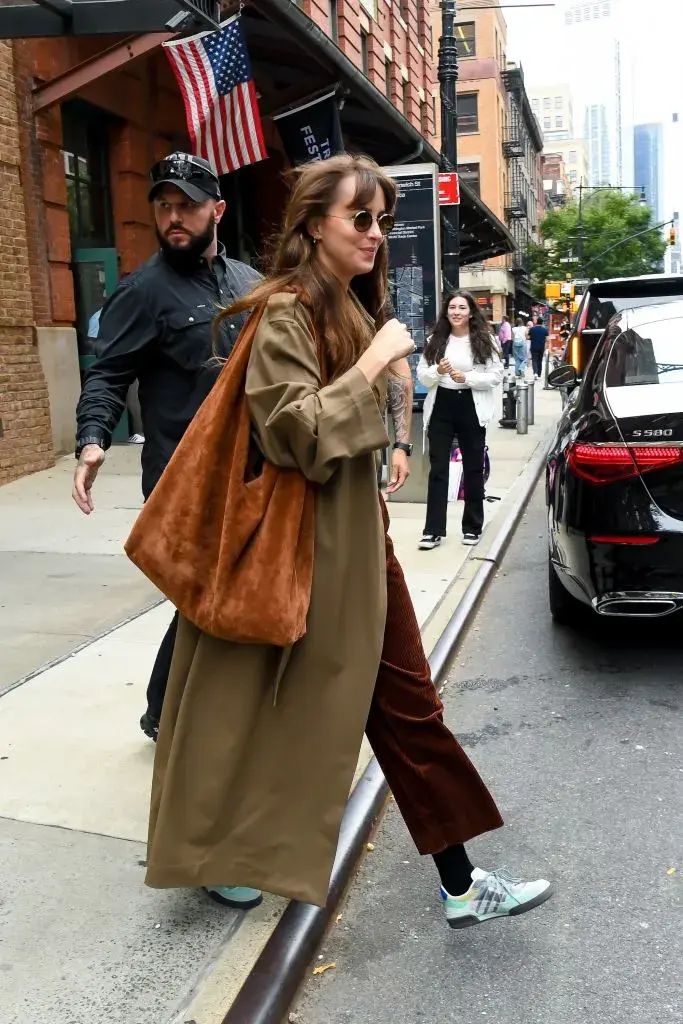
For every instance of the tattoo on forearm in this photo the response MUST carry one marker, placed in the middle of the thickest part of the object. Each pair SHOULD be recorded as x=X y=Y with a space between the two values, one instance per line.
x=400 y=402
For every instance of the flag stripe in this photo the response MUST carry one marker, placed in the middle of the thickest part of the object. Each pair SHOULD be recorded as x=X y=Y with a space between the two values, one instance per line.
x=240 y=117
x=231 y=151
x=252 y=140
x=206 y=85
x=257 y=128
x=198 y=130
x=186 y=91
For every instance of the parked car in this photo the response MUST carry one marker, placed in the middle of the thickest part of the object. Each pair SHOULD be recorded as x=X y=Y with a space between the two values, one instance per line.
x=603 y=299
x=614 y=481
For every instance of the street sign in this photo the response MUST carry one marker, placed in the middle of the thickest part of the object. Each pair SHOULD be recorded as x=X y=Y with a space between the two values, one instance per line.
x=449 y=189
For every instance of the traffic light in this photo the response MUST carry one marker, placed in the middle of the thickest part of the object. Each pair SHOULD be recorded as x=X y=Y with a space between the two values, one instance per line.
x=672 y=236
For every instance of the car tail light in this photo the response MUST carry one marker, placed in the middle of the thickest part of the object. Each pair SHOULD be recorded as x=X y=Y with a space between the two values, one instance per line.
x=637 y=540
x=607 y=463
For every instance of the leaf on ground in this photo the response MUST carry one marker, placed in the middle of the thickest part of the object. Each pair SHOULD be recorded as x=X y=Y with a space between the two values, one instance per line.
x=671 y=871
x=338 y=918
x=370 y=847
x=324 y=967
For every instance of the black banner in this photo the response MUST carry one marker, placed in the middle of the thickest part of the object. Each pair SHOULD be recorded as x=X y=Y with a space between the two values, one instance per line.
x=312 y=131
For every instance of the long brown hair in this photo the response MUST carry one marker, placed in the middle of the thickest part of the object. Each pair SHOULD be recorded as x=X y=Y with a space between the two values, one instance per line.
x=481 y=340
x=340 y=325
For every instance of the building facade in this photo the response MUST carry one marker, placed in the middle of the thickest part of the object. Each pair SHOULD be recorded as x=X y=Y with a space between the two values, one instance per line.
x=554 y=109
x=599 y=50
x=524 y=202
x=648 y=149
x=556 y=187
x=574 y=153
x=83 y=120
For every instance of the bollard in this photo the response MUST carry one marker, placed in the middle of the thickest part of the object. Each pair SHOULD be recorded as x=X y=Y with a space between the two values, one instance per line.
x=530 y=403
x=522 y=407
x=546 y=369
x=509 y=411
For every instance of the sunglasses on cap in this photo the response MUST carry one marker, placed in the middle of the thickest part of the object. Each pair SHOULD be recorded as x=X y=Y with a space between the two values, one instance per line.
x=363 y=221
x=184 y=169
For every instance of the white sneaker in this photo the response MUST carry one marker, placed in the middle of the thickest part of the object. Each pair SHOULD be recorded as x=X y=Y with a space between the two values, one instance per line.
x=494 y=894
x=136 y=439
x=471 y=539
x=428 y=542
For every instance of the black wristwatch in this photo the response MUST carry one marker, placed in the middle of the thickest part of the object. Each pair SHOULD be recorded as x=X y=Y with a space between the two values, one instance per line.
x=403 y=447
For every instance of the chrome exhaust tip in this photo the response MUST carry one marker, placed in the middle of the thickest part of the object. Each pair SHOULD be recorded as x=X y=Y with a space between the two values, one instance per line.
x=642 y=606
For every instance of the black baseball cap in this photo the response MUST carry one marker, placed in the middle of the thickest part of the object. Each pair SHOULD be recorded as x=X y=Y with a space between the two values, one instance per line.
x=193 y=175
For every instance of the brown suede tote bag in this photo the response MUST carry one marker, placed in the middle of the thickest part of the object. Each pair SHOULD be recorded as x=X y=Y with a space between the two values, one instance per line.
x=225 y=535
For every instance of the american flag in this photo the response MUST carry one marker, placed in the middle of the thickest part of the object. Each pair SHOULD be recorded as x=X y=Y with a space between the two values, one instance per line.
x=215 y=78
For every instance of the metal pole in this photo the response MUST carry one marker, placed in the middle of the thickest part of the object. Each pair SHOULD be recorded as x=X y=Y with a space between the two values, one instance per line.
x=522 y=407
x=579 y=227
x=448 y=78
x=530 y=402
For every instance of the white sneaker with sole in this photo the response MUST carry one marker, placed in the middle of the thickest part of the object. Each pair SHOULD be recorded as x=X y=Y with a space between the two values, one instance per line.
x=428 y=542
x=471 y=538
x=494 y=894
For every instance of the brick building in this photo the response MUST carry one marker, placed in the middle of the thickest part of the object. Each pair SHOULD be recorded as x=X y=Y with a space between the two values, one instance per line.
x=84 y=116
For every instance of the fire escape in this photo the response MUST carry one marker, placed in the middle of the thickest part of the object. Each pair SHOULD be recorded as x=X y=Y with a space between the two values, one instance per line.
x=516 y=149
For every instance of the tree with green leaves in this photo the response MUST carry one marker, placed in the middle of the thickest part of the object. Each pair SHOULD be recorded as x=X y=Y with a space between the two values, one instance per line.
x=602 y=245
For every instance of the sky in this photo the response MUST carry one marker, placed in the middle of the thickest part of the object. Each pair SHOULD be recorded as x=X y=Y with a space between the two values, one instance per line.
x=654 y=30
x=651 y=34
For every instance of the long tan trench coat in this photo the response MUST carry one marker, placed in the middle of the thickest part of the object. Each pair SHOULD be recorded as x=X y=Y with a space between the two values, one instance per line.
x=248 y=790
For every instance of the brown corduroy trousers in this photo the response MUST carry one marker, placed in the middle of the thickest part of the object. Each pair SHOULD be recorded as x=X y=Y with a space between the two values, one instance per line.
x=438 y=790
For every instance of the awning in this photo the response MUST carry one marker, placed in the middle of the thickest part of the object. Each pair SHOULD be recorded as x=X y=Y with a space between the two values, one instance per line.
x=23 y=19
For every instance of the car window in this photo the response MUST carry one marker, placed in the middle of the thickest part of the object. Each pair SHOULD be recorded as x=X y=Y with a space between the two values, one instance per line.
x=601 y=310
x=652 y=354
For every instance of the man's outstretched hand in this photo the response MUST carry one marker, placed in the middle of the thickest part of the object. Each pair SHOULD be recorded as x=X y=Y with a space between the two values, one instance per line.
x=89 y=462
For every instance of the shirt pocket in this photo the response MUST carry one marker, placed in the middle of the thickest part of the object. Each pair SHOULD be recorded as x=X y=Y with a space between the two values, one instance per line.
x=188 y=337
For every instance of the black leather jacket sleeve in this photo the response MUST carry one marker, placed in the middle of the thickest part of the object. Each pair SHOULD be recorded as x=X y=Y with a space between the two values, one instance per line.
x=127 y=331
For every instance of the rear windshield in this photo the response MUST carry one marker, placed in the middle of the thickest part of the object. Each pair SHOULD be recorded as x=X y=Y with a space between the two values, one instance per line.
x=602 y=309
x=651 y=355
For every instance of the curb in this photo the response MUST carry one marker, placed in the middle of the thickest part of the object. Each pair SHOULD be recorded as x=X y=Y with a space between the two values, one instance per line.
x=274 y=980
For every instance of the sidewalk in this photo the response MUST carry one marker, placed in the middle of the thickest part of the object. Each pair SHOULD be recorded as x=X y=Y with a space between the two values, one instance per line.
x=88 y=941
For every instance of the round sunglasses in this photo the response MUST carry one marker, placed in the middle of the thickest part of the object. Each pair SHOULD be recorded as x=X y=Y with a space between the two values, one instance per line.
x=363 y=221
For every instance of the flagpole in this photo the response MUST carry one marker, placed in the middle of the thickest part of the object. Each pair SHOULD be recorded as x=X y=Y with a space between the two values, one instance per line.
x=448 y=78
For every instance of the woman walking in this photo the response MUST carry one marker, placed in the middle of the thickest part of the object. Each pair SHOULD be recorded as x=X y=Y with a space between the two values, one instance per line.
x=520 y=339
x=461 y=367
x=258 y=745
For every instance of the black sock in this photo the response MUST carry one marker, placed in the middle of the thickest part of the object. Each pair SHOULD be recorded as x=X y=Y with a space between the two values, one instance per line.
x=455 y=869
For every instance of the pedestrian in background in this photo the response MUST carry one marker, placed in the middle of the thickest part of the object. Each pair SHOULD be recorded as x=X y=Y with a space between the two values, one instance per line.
x=505 y=339
x=157 y=328
x=258 y=746
x=461 y=367
x=520 y=338
x=538 y=339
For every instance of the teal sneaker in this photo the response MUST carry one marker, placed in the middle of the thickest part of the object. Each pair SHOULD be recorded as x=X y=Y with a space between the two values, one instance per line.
x=494 y=894
x=239 y=897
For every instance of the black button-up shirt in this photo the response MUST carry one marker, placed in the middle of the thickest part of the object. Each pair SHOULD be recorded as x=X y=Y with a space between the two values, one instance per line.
x=157 y=327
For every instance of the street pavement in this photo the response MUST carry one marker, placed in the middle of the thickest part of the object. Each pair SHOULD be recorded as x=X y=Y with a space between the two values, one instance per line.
x=63 y=578
x=578 y=735
x=82 y=941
